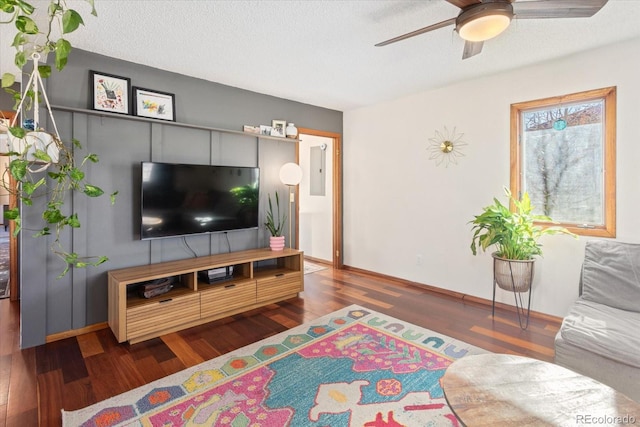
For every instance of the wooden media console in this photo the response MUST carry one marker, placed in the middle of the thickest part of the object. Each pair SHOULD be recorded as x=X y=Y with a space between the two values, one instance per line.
x=260 y=277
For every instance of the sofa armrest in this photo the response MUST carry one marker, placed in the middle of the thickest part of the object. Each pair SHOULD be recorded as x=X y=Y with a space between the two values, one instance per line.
x=611 y=274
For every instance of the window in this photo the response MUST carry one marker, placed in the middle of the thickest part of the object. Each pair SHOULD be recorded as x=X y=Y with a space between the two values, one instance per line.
x=563 y=153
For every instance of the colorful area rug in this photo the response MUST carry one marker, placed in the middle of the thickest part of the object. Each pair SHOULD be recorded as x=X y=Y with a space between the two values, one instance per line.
x=353 y=367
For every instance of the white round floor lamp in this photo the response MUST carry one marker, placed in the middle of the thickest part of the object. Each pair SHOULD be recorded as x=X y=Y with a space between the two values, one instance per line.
x=290 y=175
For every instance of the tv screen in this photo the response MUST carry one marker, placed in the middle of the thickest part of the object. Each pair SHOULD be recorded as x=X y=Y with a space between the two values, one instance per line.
x=182 y=199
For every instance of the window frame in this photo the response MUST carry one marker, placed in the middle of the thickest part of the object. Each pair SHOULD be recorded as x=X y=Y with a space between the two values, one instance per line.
x=608 y=96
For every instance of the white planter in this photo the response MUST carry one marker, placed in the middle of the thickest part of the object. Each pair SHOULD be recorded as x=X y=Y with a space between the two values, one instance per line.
x=33 y=141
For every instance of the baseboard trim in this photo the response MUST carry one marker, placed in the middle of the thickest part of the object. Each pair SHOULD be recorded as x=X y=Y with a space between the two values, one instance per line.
x=318 y=261
x=466 y=298
x=75 y=332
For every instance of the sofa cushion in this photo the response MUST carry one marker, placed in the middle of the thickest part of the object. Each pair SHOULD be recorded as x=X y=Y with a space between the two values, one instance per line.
x=611 y=274
x=604 y=330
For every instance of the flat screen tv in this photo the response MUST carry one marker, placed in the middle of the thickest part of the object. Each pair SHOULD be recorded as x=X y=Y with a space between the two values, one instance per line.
x=183 y=199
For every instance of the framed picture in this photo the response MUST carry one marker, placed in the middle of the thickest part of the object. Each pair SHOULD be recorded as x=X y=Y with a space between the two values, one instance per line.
x=265 y=130
x=277 y=127
x=109 y=93
x=154 y=104
x=251 y=129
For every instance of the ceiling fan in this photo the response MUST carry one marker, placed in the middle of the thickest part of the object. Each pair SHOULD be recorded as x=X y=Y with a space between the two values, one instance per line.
x=481 y=20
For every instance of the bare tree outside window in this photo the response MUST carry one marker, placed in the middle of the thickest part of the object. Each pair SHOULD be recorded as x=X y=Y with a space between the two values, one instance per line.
x=563 y=155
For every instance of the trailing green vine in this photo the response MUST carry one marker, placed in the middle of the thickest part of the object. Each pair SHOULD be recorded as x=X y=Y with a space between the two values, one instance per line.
x=59 y=15
x=63 y=173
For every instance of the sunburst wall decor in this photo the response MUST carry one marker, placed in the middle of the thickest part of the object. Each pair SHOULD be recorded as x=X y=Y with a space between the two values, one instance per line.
x=445 y=147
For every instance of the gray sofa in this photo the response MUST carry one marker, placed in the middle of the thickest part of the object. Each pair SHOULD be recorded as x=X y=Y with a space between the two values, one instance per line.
x=600 y=337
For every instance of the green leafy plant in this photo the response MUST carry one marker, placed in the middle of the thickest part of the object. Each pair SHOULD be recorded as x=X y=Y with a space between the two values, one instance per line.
x=59 y=16
x=514 y=233
x=64 y=174
x=275 y=222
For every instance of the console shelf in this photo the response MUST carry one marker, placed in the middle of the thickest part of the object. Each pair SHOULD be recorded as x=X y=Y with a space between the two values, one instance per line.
x=260 y=277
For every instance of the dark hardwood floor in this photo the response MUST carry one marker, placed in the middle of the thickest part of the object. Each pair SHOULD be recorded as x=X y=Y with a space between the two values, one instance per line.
x=36 y=383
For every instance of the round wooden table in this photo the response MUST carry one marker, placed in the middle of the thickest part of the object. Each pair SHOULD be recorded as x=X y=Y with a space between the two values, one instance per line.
x=505 y=390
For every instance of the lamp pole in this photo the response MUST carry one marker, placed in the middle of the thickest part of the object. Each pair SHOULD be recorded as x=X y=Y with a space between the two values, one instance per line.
x=290 y=175
x=290 y=203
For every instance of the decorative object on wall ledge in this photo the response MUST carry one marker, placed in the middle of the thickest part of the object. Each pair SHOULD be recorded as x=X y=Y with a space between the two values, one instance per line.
x=154 y=104
x=277 y=127
x=290 y=175
x=446 y=147
x=291 y=131
x=265 y=130
x=109 y=93
x=251 y=129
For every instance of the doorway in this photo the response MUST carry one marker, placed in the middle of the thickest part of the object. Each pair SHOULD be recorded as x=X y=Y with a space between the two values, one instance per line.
x=5 y=259
x=319 y=211
x=9 y=284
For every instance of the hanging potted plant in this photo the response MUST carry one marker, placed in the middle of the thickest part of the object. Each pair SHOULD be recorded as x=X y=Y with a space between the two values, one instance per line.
x=275 y=225
x=515 y=235
x=33 y=149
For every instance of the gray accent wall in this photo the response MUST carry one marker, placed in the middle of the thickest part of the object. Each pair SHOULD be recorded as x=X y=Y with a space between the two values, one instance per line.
x=50 y=305
x=6 y=99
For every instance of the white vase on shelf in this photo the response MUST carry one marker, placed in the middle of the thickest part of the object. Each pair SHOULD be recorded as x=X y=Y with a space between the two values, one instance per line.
x=291 y=131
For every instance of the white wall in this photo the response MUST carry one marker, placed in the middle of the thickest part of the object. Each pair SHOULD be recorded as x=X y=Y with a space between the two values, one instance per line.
x=399 y=206
x=316 y=212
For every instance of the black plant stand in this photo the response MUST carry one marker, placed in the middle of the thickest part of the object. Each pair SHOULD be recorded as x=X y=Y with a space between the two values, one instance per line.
x=523 y=315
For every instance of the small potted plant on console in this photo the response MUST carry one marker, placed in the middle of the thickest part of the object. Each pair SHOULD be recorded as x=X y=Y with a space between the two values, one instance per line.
x=275 y=225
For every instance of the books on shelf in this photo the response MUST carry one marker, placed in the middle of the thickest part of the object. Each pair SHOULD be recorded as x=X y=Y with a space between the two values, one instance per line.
x=156 y=287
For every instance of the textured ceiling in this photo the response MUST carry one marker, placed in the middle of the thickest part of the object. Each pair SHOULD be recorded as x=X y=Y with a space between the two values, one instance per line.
x=322 y=52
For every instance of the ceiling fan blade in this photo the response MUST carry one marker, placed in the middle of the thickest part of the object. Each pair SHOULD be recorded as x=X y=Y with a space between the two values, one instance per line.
x=557 y=8
x=463 y=3
x=442 y=24
x=471 y=49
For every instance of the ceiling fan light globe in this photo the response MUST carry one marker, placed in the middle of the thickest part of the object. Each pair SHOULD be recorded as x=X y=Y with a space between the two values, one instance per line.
x=484 y=27
x=484 y=21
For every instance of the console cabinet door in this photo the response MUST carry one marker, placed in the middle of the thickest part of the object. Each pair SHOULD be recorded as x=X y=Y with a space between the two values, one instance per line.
x=278 y=286
x=227 y=297
x=164 y=314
